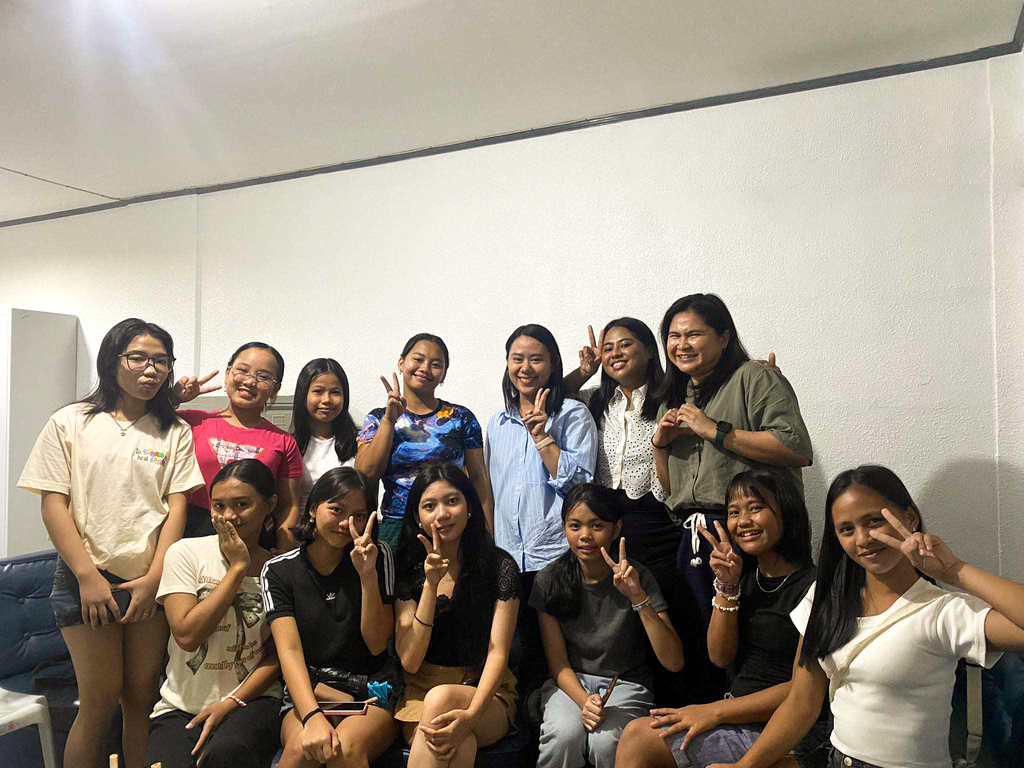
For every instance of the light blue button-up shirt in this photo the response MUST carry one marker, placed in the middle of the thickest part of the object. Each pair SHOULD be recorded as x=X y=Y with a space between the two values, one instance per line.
x=527 y=499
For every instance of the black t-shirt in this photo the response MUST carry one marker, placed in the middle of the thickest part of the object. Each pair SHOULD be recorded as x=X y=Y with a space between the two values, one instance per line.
x=327 y=608
x=444 y=647
x=767 y=637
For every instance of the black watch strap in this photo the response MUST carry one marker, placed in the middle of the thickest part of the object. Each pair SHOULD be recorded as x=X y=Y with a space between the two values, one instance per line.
x=723 y=428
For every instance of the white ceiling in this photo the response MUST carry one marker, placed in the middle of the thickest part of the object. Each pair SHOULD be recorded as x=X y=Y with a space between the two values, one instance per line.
x=121 y=98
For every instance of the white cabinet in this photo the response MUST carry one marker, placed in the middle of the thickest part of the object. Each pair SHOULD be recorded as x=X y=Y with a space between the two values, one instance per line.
x=38 y=370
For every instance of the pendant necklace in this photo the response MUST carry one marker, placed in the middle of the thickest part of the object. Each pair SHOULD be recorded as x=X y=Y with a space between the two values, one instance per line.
x=124 y=430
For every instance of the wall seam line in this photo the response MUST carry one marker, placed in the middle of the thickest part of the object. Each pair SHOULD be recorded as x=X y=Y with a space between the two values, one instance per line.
x=197 y=300
x=995 y=324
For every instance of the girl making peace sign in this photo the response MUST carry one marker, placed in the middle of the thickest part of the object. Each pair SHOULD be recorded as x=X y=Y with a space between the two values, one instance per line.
x=596 y=617
x=414 y=427
x=882 y=641
x=458 y=596
x=329 y=604
x=750 y=633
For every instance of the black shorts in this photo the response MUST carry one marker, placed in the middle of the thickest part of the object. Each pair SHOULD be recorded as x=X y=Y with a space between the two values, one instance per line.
x=66 y=598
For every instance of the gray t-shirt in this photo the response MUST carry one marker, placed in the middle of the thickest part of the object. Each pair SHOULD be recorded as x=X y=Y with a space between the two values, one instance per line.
x=608 y=637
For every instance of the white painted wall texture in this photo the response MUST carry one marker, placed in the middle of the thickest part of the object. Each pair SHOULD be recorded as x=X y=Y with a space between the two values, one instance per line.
x=857 y=232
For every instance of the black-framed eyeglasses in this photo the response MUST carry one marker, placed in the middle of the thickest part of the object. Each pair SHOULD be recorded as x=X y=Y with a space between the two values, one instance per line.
x=263 y=379
x=137 y=362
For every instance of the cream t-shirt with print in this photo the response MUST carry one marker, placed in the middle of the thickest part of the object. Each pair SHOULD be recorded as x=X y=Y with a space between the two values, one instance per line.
x=117 y=485
x=218 y=666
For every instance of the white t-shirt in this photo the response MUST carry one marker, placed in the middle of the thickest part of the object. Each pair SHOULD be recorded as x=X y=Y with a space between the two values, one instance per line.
x=117 y=485
x=893 y=710
x=196 y=680
x=319 y=457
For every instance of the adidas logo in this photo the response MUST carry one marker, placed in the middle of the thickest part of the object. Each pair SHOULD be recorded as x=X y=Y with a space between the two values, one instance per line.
x=330 y=595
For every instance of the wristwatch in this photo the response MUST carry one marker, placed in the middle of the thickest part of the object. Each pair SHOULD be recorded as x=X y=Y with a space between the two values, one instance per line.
x=723 y=428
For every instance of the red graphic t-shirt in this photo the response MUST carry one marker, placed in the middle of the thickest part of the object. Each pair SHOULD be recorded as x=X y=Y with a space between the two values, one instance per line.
x=218 y=443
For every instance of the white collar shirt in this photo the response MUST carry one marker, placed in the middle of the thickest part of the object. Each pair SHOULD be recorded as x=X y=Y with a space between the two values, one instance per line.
x=625 y=457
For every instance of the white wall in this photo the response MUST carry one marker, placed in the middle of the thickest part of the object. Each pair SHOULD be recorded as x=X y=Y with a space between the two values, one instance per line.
x=850 y=230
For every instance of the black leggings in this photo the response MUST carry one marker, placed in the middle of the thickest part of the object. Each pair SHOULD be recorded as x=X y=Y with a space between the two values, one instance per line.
x=247 y=738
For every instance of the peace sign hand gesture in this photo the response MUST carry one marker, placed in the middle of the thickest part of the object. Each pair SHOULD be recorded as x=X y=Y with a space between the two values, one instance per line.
x=395 y=406
x=926 y=552
x=434 y=566
x=624 y=576
x=725 y=563
x=188 y=388
x=590 y=357
x=364 y=551
x=536 y=419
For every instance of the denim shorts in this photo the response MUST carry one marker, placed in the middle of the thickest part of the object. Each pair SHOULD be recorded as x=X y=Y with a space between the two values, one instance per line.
x=66 y=598
x=728 y=743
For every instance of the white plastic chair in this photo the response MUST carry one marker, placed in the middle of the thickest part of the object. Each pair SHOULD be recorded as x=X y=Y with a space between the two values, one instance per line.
x=19 y=710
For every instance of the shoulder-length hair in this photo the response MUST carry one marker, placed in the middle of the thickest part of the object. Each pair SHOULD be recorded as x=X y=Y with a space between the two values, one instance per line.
x=780 y=494
x=107 y=392
x=652 y=376
x=712 y=310
x=556 y=382
x=565 y=596
x=837 y=592
x=334 y=485
x=344 y=427
x=476 y=587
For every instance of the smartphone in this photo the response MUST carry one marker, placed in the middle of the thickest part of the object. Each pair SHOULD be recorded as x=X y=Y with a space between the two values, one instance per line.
x=343 y=708
x=123 y=598
x=608 y=691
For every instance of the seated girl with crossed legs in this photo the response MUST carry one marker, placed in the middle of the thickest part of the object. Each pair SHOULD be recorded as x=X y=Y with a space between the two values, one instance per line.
x=750 y=633
x=596 y=618
x=329 y=605
x=880 y=639
x=458 y=596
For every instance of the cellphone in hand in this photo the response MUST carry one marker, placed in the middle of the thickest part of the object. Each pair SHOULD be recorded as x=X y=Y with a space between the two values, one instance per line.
x=608 y=690
x=343 y=708
x=123 y=598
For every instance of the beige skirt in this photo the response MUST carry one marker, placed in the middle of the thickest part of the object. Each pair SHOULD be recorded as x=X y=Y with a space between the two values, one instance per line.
x=410 y=705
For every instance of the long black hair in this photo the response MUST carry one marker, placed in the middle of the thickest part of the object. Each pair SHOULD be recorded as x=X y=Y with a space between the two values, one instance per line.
x=837 y=599
x=436 y=340
x=653 y=375
x=344 y=427
x=476 y=587
x=556 y=382
x=565 y=595
x=780 y=494
x=107 y=392
x=334 y=485
x=713 y=312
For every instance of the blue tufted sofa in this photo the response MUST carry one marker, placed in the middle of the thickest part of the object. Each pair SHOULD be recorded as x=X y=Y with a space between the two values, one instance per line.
x=28 y=637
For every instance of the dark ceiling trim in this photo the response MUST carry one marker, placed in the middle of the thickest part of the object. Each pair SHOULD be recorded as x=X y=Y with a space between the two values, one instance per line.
x=988 y=52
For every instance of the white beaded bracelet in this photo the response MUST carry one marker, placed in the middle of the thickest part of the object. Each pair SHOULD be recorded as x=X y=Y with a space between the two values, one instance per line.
x=728 y=609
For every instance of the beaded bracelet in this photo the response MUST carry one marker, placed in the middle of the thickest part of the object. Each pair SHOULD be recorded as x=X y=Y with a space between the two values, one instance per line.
x=235 y=699
x=726 y=609
x=642 y=604
x=727 y=589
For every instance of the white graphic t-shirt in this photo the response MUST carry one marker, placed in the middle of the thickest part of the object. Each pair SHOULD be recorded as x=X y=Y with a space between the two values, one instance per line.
x=199 y=678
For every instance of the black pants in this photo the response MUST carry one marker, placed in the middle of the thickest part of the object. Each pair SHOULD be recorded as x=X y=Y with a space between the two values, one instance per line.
x=704 y=681
x=247 y=738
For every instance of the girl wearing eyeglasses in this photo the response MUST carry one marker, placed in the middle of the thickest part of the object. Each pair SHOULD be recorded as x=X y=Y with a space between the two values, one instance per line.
x=239 y=431
x=113 y=471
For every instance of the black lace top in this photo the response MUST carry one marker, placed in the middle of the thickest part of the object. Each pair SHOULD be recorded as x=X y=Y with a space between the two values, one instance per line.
x=453 y=621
